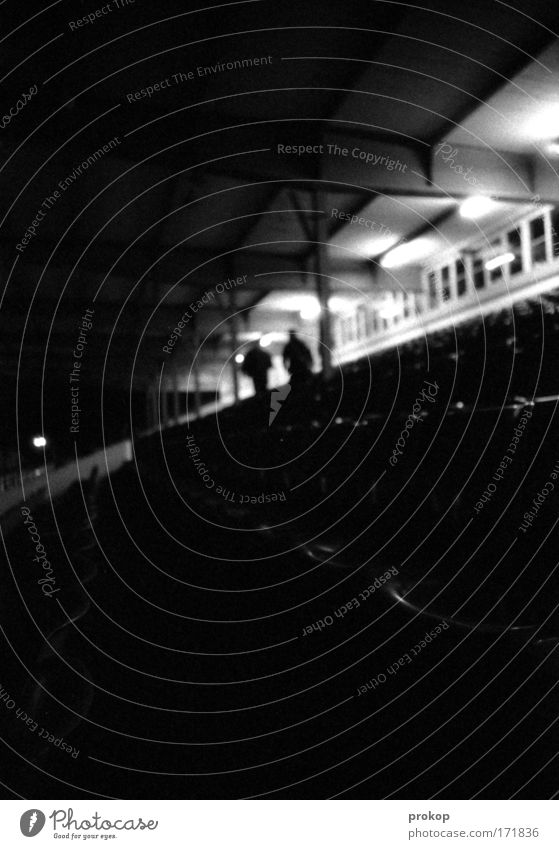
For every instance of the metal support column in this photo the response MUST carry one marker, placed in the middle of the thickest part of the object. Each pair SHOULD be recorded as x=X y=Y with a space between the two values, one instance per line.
x=149 y=407
x=234 y=344
x=154 y=405
x=164 y=402
x=323 y=285
x=196 y=368
x=176 y=410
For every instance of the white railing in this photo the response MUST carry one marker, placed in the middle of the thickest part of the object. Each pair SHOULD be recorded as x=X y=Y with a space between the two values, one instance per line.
x=13 y=479
x=458 y=289
x=52 y=481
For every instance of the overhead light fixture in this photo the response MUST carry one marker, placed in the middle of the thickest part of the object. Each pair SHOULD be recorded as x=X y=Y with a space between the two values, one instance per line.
x=476 y=206
x=379 y=245
x=545 y=125
x=267 y=340
x=240 y=358
x=497 y=261
x=310 y=311
x=407 y=253
x=39 y=441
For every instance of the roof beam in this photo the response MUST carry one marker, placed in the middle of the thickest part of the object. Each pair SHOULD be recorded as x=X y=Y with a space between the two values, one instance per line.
x=521 y=61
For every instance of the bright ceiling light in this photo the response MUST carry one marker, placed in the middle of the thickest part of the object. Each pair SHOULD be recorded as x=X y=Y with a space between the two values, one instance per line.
x=497 y=261
x=374 y=247
x=407 y=253
x=39 y=441
x=310 y=311
x=553 y=148
x=476 y=206
x=240 y=358
x=545 y=125
x=266 y=340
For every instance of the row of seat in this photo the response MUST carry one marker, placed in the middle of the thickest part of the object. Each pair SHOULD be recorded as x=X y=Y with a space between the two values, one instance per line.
x=215 y=642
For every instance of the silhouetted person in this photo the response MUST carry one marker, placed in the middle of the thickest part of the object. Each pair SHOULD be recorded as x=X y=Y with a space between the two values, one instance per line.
x=256 y=365
x=297 y=359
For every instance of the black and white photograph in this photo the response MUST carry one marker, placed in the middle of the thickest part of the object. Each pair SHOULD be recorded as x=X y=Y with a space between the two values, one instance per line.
x=279 y=456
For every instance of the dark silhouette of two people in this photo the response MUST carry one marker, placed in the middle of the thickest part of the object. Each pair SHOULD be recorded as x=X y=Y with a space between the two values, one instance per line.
x=297 y=359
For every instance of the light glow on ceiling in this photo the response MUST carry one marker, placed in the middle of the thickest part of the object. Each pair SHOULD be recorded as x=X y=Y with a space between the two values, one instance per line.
x=407 y=253
x=545 y=125
x=374 y=247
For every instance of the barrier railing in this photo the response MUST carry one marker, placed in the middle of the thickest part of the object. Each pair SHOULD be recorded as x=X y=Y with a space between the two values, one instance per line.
x=56 y=480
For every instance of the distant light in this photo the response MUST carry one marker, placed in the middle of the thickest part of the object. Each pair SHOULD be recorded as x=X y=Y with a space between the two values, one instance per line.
x=310 y=311
x=497 y=261
x=389 y=309
x=39 y=441
x=553 y=148
x=407 y=253
x=240 y=358
x=266 y=340
x=338 y=304
x=476 y=206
